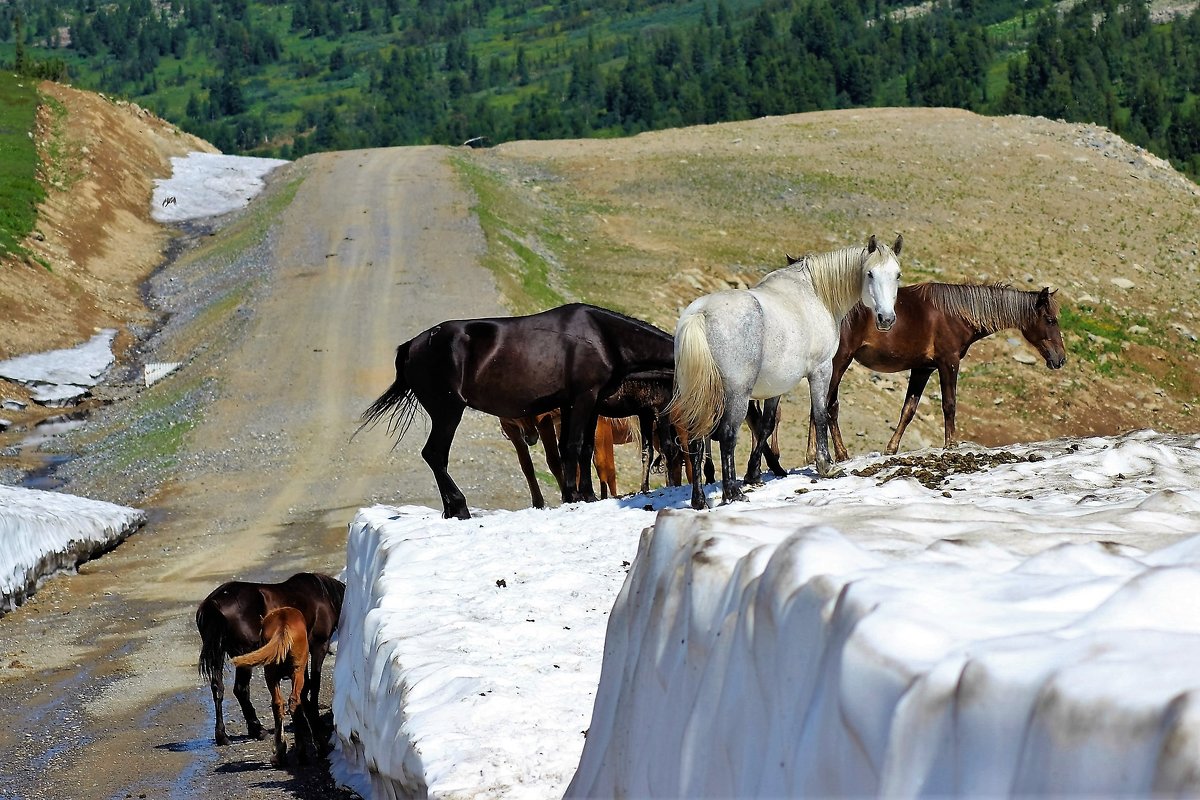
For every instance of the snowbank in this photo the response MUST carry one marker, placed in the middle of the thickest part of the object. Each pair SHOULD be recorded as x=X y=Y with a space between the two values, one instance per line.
x=1031 y=627
x=42 y=532
x=469 y=652
x=902 y=645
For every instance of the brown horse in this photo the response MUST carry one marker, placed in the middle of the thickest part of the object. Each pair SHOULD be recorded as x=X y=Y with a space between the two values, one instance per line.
x=525 y=432
x=230 y=622
x=284 y=655
x=567 y=358
x=641 y=396
x=936 y=323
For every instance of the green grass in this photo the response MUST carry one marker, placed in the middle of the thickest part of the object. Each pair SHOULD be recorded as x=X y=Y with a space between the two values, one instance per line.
x=1098 y=334
x=20 y=190
x=254 y=226
x=166 y=418
x=521 y=263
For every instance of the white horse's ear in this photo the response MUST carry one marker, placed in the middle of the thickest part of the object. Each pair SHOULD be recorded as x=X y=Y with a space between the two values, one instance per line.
x=791 y=259
x=871 y=244
x=899 y=243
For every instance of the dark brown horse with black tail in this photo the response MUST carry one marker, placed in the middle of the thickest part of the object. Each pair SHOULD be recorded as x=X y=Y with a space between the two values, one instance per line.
x=230 y=623
x=936 y=323
x=567 y=358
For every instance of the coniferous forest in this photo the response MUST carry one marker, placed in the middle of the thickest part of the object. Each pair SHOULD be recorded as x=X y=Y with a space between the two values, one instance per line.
x=285 y=78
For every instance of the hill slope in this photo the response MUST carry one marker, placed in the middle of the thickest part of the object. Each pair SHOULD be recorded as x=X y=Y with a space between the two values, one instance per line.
x=645 y=224
x=94 y=229
x=648 y=223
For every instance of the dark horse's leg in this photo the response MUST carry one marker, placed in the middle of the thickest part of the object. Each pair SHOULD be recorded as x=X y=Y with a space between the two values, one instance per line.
x=917 y=378
x=696 y=450
x=948 y=374
x=841 y=363
x=218 y=693
x=545 y=426
x=762 y=425
x=646 y=431
x=576 y=446
x=436 y=453
x=241 y=690
x=312 y=687
x=512 y=432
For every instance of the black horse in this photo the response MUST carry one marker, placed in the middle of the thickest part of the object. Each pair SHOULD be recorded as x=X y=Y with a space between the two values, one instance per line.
x=570 y=358
x=230 y=622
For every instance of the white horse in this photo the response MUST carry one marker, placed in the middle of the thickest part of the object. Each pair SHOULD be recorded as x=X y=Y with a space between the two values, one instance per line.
x=758 y=343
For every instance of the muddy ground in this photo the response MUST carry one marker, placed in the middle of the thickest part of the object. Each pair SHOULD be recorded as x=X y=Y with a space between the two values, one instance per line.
x=99 y=669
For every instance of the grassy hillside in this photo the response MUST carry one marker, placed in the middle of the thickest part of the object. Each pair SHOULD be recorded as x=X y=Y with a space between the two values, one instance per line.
x=20 y=190
x=647 y=224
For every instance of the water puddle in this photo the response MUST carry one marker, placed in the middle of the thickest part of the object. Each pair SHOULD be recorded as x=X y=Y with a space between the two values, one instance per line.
x=32 y=449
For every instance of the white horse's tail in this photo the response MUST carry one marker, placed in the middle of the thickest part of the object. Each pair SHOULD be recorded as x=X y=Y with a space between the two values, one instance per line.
x=698 y=397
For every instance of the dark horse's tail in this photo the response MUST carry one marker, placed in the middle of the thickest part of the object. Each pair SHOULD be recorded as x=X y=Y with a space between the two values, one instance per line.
x=398 y=402
x=211 y=624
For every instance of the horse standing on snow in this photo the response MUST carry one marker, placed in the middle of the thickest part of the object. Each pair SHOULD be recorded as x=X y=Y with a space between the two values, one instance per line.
x=734 y=345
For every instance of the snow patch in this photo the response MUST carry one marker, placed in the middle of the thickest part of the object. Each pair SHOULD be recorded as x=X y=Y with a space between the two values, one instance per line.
x=43 y=532
x=58 y=377
x=208 y=184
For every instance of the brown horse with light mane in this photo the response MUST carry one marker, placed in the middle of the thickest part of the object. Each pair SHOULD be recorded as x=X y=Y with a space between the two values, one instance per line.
x=284 y=655
x=230 y=623
x=936 y=323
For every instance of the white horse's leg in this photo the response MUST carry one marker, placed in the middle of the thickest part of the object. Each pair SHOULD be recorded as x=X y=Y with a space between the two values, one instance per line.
x=818 y=390
x=726 y=434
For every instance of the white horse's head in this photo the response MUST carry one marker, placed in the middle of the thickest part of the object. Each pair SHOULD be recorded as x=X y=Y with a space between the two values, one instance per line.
x=880 y=280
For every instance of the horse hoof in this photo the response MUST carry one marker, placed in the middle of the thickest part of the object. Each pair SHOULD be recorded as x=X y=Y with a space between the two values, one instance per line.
x=830 y=471
x=222 y=740
x=256 y=732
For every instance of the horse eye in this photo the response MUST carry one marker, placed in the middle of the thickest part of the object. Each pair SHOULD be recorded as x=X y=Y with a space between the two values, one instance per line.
x=871 y=274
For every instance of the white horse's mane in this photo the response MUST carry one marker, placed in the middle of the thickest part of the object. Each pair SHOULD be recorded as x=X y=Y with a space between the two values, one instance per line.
x=837 y=275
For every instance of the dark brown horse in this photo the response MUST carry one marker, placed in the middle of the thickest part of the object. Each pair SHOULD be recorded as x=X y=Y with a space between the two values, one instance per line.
x=567 y=358
x=936 y=323
x=283 y=656
x=230 y=623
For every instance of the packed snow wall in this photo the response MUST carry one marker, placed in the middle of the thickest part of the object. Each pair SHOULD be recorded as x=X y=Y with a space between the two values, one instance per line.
x=1016 y=643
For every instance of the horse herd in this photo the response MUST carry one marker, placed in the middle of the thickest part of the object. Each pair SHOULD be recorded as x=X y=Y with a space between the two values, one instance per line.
x=731 y=350
x=561 y=374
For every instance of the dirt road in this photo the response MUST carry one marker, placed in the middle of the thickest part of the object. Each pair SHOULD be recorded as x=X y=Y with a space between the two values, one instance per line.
x=98 y=671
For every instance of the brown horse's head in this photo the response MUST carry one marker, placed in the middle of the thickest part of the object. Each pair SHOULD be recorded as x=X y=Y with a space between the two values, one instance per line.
x=1041 y=329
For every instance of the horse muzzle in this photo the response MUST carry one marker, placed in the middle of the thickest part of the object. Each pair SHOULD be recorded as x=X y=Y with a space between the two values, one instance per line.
x=1056 y=362
x=885 y=321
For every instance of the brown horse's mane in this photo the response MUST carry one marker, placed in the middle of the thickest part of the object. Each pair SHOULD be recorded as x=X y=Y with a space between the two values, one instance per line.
x=988 y=307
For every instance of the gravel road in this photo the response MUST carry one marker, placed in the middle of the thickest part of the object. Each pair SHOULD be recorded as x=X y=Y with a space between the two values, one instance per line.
x=98 y=671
